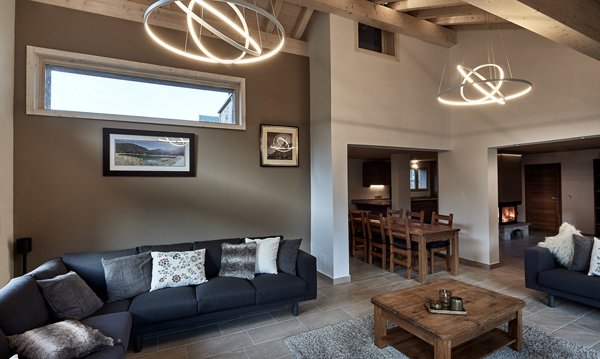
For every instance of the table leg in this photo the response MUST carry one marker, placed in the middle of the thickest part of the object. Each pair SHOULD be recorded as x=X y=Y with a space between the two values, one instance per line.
x=380 y=327
x=454 y=263
x=442 y=349
x=515 y=330
x=422 y=260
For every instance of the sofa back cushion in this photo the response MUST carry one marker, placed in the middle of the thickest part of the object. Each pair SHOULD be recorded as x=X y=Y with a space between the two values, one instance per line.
x=176 y=247
x=89 y=267
x=49 y=270
x=22 y=306
x=212 y=256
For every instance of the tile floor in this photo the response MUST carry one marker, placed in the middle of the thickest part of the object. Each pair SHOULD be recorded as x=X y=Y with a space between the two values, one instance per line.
x=260 y=335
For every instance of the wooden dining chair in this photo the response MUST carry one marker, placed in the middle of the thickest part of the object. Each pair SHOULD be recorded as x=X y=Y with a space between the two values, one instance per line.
x=395 y=213
x=358 y=233
x=416 y=217
x=402 y=249
x=440 y=246
x=378 y=239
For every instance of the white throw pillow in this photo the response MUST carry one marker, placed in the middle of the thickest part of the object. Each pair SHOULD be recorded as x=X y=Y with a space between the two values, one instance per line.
x=177 y=269
x=595 y=259
x=561 y=245
x=266 y=254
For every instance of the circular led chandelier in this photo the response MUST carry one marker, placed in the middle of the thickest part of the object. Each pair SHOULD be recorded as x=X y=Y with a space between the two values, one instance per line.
x=251 y=49
x=484 y=90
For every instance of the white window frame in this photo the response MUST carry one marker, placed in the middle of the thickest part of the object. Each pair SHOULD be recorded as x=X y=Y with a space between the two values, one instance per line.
x=38 y=58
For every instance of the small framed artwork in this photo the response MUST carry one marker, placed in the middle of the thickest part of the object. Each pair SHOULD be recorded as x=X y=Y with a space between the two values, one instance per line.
x=278 y=146
x=148 y=153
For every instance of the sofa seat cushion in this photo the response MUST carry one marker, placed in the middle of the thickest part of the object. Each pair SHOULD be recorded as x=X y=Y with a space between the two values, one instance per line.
x=570 y=281
x=116 y=352
x=115 y=325
x=114 y=307
x=222 y=293
x=164 y=304
x=22 y=306
x=274 y=287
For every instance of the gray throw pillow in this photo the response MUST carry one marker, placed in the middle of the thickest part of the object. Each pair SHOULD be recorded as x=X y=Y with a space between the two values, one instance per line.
x=63 y=340
x=238 y=260
x=582 y=251
x=69 y=297
x=287 y=255
x=127 y=276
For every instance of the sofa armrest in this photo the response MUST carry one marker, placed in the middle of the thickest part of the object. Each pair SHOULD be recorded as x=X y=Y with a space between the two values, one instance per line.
x=306 y=268
x=537 y=259
x=5 y=352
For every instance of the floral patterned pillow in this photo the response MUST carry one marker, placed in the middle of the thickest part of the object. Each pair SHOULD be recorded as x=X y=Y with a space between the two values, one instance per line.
x=177 y=269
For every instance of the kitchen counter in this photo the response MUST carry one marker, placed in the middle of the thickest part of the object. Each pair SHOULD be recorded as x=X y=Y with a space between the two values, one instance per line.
x=422 y=199
x=374 y=205
x=373 y=201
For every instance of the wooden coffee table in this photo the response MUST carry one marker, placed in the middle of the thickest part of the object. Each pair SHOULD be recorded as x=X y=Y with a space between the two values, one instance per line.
x=420 y=334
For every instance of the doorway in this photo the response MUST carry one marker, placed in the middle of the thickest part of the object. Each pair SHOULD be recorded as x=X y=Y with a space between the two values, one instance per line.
x=543 y=196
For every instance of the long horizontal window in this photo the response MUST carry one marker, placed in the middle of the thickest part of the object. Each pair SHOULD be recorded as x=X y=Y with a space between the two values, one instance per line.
x=76 y=85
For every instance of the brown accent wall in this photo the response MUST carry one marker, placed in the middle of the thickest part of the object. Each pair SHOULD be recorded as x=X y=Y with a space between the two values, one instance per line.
x=63 y=201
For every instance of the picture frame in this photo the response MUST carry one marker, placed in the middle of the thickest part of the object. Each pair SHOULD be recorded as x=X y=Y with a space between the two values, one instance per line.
x=278 y=146
x=148 y=153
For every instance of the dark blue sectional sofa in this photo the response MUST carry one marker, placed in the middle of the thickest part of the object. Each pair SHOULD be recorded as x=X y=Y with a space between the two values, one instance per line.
x=543 y=273
x=22 y=306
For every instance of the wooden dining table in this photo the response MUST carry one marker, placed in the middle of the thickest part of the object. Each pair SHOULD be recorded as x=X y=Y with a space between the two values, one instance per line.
x=425 y=233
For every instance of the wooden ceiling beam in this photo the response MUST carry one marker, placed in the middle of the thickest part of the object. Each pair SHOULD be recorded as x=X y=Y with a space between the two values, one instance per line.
x=276 y=10
x=133 y=11
x=384 y=18
x=412 y=5
x=467 y=20
x=302 y=23
x=572 y=23
x=459 y=10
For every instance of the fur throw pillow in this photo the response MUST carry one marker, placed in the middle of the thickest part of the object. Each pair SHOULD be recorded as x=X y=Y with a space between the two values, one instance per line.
x=561 y=245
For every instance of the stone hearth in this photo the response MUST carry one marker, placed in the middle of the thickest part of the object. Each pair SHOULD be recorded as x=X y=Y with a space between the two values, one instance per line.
x=506 y=230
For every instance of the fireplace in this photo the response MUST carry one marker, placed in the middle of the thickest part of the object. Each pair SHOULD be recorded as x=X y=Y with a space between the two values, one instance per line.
x=507 y=212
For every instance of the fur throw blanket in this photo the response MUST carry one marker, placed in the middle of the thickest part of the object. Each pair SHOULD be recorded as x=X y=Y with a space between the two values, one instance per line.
x=561 y=245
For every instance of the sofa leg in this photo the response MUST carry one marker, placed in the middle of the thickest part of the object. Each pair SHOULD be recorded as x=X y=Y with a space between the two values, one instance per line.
x=137 y=343
x=551 y=300
x=295 y=309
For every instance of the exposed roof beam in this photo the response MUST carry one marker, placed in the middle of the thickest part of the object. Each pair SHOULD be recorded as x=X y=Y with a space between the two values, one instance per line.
x=573 y=23
x=411 y=5
x=276 y=11
x=447 y=11
x=303 y=20
x=133 y=11
x=384 y=18
x=467 y=20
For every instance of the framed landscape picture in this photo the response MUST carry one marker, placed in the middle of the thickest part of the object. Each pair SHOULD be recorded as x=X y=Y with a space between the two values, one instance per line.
x=278 y=146
x=148 y=153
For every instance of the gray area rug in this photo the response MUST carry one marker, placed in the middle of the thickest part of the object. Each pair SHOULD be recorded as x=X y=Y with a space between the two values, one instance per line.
x=354 y=339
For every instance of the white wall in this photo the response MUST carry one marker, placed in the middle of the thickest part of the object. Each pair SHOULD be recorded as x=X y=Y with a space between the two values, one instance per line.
x=355 y=187
x=320 y=144
x=7 y=43
x=374 y=101
x=577 y=186
x=563 y=105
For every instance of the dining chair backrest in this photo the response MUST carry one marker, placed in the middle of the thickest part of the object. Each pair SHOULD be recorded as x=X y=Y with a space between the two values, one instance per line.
x=395 y=213
x=398 y=228
x=416 y=217
x=358 y=223
x=376 y=225
x=442 y=220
